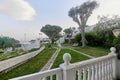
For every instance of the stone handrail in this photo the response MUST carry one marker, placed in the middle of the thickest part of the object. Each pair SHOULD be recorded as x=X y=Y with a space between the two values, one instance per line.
x=102 y=68
x=43 y=75
x=12 y=62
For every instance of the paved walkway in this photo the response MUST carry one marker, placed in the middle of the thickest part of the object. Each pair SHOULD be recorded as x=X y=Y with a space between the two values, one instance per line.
x=51 y=60
x=15 y=61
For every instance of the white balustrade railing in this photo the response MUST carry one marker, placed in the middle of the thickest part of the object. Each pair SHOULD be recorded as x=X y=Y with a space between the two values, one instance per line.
x=102 y=68
x=55 y=74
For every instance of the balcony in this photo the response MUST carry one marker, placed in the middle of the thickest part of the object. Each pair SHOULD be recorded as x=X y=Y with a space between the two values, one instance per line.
x=102 y=68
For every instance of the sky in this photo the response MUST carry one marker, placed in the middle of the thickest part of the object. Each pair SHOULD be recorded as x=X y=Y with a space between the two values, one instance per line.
x=25 y=18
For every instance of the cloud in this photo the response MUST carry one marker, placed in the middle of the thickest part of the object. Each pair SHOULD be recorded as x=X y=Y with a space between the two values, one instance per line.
x=17 y=9
x=106 y=7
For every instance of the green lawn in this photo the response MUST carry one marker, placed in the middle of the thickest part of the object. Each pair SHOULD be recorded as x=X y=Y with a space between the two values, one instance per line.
x=93 y=51
x=32 y=66
x=76 y=57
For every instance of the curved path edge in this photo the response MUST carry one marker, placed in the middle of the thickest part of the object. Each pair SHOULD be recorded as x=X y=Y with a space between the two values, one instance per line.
x=11 y=63
x=82 y=53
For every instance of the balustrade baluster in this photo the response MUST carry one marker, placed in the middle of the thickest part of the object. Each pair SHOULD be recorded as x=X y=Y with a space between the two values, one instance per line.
x=111 y=69
x=59 y=76
x=93 y=73
x=79 y=74
x=89 y=72
x=106 y=70
x=51 y=77
x=84 y=73
x=96 y=72
x=44 y=78
x=100 y=71
x=103 y=71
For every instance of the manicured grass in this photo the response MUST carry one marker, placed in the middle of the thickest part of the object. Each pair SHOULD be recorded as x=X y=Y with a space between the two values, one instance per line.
x=93 y=51
x=5 y=55
x=76 y=57
x=32 y=66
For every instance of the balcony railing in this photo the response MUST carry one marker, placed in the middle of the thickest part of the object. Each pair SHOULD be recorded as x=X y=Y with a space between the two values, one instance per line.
x=102 y=68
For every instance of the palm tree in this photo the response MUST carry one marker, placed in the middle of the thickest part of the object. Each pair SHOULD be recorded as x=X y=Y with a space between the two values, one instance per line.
x=80 y=15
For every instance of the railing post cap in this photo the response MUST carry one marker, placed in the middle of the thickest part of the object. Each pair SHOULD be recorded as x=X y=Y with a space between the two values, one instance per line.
x=113 y=49
x=67 y=58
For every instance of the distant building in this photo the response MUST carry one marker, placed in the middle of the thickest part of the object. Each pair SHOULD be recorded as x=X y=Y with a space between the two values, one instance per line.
x=45 y=40
x=30 y=44
x=61 y=40
x=9 y=49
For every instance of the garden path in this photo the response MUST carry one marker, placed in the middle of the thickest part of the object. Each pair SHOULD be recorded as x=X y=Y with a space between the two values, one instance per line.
x=51 y=60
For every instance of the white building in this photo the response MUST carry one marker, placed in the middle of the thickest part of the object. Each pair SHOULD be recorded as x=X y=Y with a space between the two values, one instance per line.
x=9 y=49
x=61 y=40
x=30 y=44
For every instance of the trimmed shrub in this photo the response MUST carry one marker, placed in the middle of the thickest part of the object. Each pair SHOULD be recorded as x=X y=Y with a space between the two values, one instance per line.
x=91 y=38
x=116 y=42
x=78 y=38
x=105 y=37
x=102 y=38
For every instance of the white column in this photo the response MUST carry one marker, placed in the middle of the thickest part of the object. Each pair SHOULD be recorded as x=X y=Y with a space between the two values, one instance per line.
x=68 y=73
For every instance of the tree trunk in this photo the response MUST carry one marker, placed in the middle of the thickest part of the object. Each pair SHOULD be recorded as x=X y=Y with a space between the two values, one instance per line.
x=82 y=30
x=83 y=39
